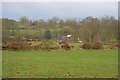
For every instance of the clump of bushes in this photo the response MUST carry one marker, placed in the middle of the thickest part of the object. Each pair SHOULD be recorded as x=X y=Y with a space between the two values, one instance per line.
x=7 y=46
x=113 y=45
x=65 y=46
x=16 y=46
x=37 y=46
x=50 y=45
x=54 y=47
x=72 y=47
x=87 y=45
x=46 y=45
x=95 y=45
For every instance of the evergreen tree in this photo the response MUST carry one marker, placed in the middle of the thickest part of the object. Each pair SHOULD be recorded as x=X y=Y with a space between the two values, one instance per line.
x=47 y=34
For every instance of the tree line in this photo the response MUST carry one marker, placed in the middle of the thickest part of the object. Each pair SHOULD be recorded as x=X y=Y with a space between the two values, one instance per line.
x=89 y=29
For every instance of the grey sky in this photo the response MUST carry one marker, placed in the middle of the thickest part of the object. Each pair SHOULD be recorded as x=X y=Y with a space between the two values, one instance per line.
x=45 y=10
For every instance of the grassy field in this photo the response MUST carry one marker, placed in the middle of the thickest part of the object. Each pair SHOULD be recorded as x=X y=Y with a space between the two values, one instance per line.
x=60 y=64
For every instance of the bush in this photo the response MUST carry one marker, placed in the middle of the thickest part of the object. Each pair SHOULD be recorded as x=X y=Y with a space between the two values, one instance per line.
x=86 y=46
x=37 y=46
x=17 y=46
x=54 y=47
x=97 y=45
x=72 y=47
x=47 y=45
x=113 y=45
x=65 y=46
x=7 y=46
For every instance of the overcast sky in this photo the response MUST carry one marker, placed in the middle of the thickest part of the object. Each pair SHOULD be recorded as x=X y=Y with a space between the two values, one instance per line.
x=45 y=10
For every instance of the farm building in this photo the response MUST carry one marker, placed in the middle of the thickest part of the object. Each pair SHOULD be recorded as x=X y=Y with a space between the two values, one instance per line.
x=61 y=38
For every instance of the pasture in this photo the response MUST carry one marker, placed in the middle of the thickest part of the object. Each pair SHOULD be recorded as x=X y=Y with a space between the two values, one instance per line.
x=60 y=64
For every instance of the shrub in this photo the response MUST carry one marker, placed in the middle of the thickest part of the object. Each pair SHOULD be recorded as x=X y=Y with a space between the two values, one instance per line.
x=72 y=47
x=37 y=46
x=86 y=46
x=65 y=46
x=113 y=45
x=47 y=45
x=97 y=45
x=54 y=47
x=16 y=46
x=7 y=46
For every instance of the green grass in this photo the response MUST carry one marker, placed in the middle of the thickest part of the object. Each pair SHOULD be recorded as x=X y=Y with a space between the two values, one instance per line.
x=60 y=64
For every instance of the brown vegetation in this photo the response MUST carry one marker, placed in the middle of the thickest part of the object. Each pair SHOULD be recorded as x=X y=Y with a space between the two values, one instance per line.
x=86 y=45
x=65 y=46
x=17 y=46
x=95 y=45
x=113 y=45
x=45 y=46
